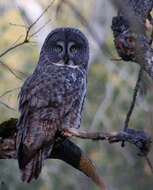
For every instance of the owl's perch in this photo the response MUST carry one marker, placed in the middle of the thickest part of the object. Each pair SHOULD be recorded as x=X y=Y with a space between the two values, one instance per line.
x=8 y=132
x=66 y=150
x=139 y=138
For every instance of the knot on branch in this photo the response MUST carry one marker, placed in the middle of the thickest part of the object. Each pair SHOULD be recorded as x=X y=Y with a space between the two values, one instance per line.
x=119 y=25
x=129 y=32
x=139 y=138
x=142 y=140
x=8 y=128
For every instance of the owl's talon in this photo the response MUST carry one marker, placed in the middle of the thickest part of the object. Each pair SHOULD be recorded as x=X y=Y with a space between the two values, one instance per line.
x=67 y=134
x=70 y=132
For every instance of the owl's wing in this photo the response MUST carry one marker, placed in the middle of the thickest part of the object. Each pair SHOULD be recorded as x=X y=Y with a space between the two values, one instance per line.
x=74 y=115
x=32 y=129
x=45 y=102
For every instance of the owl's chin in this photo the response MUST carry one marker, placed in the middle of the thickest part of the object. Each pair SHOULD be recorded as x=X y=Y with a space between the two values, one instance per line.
x=70 y=64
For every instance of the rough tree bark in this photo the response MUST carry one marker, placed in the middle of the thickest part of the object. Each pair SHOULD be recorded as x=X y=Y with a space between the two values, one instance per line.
x=131 y=41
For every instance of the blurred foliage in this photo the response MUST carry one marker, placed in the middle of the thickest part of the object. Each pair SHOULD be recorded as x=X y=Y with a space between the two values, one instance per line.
x=110 y=89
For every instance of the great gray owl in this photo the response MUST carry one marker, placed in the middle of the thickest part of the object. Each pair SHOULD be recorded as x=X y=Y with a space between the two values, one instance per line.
x=51 y=98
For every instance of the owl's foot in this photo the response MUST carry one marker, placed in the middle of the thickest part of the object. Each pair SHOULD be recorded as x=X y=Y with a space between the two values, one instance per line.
x=70 y=132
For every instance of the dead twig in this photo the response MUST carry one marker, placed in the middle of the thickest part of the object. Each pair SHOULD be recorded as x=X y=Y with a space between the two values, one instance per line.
x=12 y=71
x=9 y=91
x=7 y=106
x=27 y=34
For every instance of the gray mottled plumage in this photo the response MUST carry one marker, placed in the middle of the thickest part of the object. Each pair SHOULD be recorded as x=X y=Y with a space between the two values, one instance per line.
x=51 y=98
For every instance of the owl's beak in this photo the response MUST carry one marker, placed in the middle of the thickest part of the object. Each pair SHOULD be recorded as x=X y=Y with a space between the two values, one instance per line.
x=66 y=59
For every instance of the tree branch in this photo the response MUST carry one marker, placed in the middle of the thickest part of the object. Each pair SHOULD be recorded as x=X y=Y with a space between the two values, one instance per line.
x=131 y=41
x=63 y=149
x=140 y=139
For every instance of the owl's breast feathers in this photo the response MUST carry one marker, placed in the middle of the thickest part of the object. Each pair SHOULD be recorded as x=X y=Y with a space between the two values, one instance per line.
x=54 y=88
x=49 y=99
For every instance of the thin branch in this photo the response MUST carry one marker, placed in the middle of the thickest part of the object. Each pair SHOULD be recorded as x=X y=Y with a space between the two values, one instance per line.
x=132 y=105
x=41 y=15
x=136 y=90
x=14 y=47
x=10 y=70
x=103 y=47
x=18 y=39
x=9 y=91
x=39 y=29
x=27 y=34
x=17 y=25
x=149 y=163
x=7 y=106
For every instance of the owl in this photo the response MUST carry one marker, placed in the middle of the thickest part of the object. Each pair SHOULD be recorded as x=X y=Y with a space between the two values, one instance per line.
x=52 y=98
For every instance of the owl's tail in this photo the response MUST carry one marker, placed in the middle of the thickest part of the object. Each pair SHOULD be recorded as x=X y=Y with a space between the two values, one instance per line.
x=74 y=156
x=33 y=168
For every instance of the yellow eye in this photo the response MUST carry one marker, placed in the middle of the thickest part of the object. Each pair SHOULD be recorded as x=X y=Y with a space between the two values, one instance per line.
x=74 y=49
x=58 y=49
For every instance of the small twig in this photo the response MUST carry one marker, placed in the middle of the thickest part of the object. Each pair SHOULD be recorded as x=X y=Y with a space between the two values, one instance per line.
x=13 y=47
x=17 y=40
x=149 y=163
x=9 y=91
x=17 y=25
x=85 y=23
x=136 y=89
x=10 y=70
x=45 y=10
x=7 y=106
x=39 y=29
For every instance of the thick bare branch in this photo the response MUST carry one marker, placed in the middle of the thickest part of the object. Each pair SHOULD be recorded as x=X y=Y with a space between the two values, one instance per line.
x=139 y=138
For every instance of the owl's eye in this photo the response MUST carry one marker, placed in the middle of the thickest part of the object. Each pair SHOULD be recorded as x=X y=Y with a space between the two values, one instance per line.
x=58 y=48
x=74 y=49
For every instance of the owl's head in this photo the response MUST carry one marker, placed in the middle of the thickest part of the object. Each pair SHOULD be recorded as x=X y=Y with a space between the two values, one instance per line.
x=67 y=46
